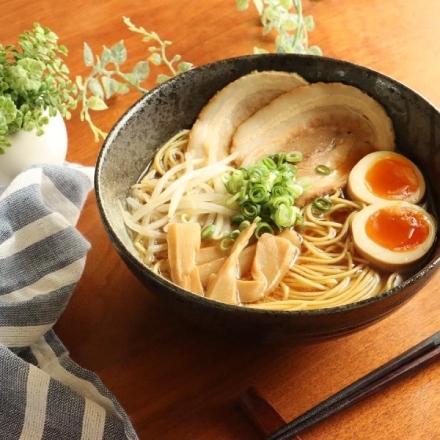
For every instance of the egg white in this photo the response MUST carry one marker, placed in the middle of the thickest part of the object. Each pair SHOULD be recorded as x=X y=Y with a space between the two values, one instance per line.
x=381 y=256
x=357 y=188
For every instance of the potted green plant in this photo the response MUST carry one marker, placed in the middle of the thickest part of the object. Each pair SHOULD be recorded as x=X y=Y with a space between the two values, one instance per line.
x=36 y=95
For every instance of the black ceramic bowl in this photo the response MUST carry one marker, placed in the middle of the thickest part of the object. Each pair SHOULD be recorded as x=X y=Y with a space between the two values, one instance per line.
x=174 y=105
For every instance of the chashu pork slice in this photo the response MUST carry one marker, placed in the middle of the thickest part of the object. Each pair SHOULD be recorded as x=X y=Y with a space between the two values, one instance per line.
x=211 y=134
x=331 y=124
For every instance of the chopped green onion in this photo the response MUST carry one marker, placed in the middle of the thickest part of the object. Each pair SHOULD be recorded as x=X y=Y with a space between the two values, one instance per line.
x=281 y=200
x=239 y=197
x=234 y=234
x=237 y=219
x=269 y=163
x=234 y=182
x=322 y=169
x=279 y=158
x=278 y=191
x=322 y=204
x=285 y=168
x=229 y=240
x=263 y=228
x=296 y=190
x=258 y=194
x=244 y=224
x=250 y=210
x=258 y=174
x=208 y=231
x=226 y=243
x=260 y=189
x=285 y=215
x=294 y=156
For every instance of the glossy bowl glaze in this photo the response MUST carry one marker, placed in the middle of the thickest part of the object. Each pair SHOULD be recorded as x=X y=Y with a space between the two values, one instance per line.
x=174 y=105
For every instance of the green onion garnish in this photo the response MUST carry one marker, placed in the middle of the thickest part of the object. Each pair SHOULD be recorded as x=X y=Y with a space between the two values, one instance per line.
x=208 y=231
x=267 y=189
x=294 y=156
x=250 y=210
x=269 y=163
x=234 y=234
x=237 y=219
x=322 y=204
x=263 y=228
x=258 y=194
x=244 y=224
x=226 y=243
x=285 y=215
x=322 y=169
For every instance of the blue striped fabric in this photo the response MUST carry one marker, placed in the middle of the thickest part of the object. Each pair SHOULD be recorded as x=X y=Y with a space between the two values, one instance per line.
x=43 y=393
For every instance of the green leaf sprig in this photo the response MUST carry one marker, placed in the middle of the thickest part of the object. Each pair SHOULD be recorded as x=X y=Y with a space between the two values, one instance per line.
x=158 y=53
x=107 y=77
x=34 y=83
x=291 y=27
x=105 y=80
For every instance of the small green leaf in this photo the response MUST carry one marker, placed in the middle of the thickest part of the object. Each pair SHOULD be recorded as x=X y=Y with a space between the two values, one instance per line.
x=184 y=67
x=175 y=59
x=111 y=87
x=315 y=50
x=286 y=4
x=88 y=55
x=309 y=23
x=242 y=5
x=119 y=53
x=96 y=88
x=95 y=103
x=155 y=59
x=162 y=78
x=291 y=23
x=122 y=88
x=106 y=56
x=142 y=70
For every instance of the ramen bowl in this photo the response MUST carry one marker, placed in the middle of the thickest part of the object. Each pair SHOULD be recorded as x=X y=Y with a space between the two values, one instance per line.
x=174 y=105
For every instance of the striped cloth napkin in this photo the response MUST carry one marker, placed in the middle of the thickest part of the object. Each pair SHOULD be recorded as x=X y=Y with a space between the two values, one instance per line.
x=43 y=393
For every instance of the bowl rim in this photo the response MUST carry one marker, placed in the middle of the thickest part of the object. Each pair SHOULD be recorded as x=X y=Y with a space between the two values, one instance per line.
x=424 y=272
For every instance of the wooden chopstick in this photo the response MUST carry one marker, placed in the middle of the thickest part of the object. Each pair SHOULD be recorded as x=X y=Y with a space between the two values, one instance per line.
x=272 y=424
x=401 y=366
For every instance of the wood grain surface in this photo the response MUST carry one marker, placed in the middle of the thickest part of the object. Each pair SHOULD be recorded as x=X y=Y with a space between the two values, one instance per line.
x=175 y=381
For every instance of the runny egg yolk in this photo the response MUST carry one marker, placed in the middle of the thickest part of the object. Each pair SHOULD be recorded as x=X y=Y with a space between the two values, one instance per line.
x=386 y=176
x=397 y=229
x=392 y=177
x=394 y=234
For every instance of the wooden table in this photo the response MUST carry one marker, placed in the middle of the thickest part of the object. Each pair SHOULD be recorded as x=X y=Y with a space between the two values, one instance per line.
x=174 y=381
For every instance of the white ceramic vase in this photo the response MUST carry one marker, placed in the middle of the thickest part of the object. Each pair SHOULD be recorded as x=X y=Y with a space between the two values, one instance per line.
x=29 y=149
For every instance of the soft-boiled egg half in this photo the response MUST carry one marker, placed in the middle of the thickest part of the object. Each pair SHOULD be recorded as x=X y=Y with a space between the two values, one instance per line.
x=385 y=175
x=393 y=235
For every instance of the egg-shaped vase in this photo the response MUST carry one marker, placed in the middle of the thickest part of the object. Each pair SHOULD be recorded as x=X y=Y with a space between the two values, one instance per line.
x=28 y=149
